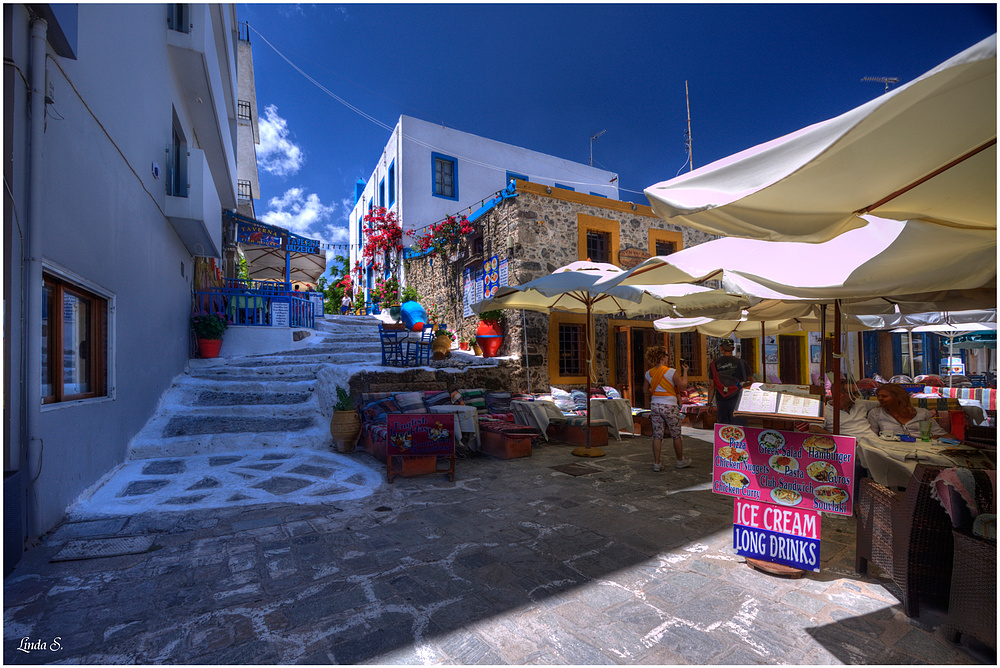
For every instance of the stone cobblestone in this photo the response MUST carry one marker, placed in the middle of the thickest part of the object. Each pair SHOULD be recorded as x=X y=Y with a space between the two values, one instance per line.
x=511 y=563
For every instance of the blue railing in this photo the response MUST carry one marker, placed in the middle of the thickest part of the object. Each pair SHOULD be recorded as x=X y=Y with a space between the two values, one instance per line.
x=256 y=303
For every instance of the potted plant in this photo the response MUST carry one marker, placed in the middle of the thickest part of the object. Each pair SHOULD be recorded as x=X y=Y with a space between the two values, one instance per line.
x=209 y=327
x=345 y=425
x=475 y=346
x=441 y=345
x=489 y=336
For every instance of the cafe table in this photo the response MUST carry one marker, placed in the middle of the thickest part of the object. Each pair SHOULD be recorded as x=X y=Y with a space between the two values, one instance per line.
x=892 y=463
x=536 y=414
x=466 y=423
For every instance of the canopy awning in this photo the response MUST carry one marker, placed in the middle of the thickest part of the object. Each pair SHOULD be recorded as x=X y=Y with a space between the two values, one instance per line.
x=266 y=248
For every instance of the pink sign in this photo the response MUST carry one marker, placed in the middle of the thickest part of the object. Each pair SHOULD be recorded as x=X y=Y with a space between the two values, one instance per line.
x=788 y=468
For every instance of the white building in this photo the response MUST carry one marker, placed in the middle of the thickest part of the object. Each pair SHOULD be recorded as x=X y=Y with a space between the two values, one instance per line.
x=428 y=171
x=120 y=128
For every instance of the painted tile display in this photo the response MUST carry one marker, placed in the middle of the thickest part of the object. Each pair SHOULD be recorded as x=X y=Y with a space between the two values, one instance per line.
x=787 y=468
x=781 y=535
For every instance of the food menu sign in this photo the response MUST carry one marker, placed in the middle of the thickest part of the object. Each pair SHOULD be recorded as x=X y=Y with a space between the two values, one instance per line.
x=787 y=468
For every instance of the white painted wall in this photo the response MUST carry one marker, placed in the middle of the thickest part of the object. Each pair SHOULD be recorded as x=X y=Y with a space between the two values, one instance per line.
x=103 y=224
x=482 y=166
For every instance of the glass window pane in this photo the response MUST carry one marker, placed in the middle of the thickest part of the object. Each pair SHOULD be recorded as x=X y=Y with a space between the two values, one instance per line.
x=47 y=371
x=76 y=344
x=571 y=350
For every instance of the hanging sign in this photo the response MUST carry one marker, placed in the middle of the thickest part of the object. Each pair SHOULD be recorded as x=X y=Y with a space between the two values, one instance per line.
x=491 y=277
x=503 y=272
x=259 y=234
x=788 y=468
x=631 y=256
x=788 y=536
x=317 y=301
x=297 y=244
x=467 y=293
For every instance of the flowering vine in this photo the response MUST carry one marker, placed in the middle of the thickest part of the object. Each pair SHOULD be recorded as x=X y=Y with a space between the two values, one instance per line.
x=384 y=238
x=442 y=238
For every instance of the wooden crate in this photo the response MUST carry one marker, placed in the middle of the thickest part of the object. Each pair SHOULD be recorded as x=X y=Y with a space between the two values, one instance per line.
x=577 y=435
x=505 y=446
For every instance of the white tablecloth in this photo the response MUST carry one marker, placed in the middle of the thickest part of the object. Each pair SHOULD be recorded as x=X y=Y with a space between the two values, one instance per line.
x=466 y=422
x=616 y=411
x=891 y=463
x=535 y=414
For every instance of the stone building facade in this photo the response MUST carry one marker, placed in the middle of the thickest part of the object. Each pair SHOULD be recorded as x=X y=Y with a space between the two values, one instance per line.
x=536 y=232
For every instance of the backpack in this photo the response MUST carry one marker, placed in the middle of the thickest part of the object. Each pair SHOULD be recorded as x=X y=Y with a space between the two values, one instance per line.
x=724 y=391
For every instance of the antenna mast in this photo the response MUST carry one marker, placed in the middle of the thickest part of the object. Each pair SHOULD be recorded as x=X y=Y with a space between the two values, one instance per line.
x=885 y=80
x=592 y=146
x=687 y=138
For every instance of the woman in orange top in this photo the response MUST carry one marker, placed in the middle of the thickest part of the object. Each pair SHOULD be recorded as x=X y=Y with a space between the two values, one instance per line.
x=662 y=381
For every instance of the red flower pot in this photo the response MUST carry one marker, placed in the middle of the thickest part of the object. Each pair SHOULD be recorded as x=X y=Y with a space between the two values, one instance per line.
x=209 y=347
x=463 y=345
x=489 y=337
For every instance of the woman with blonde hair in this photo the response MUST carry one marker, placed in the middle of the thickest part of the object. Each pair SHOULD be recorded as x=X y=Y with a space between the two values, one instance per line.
x=895 y=414
x=665 y=385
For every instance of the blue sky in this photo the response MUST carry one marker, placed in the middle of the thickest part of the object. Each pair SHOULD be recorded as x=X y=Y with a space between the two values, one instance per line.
x=549 y=76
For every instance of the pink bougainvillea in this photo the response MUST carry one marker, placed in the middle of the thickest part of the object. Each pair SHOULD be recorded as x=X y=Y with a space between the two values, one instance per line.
x=442 y=238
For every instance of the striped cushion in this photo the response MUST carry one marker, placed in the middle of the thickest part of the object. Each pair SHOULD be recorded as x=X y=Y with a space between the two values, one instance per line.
x=476 y=398
x=498 y=402
x=579 y=399
x=436 y=398
x=376 y=410
x=410 y=402
x=368 y=397
x=456 y=398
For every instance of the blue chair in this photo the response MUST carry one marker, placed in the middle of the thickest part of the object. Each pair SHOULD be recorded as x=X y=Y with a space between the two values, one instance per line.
x=418 y=350
x=392 y=347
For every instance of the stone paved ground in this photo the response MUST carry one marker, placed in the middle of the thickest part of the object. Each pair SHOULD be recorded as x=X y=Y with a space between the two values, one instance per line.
x=513 y=563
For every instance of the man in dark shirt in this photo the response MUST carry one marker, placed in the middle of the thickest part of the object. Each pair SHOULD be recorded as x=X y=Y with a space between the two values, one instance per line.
x=727 y=374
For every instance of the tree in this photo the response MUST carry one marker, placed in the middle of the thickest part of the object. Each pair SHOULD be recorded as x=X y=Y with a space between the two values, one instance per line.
x=339 y=283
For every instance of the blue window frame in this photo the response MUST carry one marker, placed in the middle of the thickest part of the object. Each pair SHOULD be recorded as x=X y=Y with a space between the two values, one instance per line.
x=598 y=195
x=444 y=176
x=559 y=185
x=381 y=193
x=392 y=183
x=515 y=175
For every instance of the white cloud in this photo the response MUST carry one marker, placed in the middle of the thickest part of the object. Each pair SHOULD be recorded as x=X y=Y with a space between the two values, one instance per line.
x=297 y=212
x=277 y=154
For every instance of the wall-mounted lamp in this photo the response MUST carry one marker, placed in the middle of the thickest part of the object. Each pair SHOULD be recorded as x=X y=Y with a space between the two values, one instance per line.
x=634 y=207
x=510 y=242
x=548 y=190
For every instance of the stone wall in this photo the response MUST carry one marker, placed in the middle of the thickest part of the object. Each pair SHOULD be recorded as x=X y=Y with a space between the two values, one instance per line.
x=537 y=232
x=506 y=376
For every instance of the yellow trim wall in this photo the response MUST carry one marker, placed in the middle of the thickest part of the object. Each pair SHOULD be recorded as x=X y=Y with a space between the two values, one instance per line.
x=665 y=235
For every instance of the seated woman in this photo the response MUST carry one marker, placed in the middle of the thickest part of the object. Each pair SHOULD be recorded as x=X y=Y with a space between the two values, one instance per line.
x=895 y=414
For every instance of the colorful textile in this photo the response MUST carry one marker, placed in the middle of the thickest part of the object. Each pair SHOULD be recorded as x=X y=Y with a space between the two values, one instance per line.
x=368 y=397
x=498 y=402
x=563 y=400
x=376 y=410
x=579 y=399
x=986 y=396
x=509 y=429
x=936 y=402
x=410 y=402
x=436 y=398
x=496 y=417
x=965 y=493
x=611 y=393
x=475 y=398
x=456 y=398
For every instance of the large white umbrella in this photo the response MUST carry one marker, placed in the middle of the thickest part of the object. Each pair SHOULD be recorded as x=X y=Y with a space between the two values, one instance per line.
x=579 y=287
x=924 y=150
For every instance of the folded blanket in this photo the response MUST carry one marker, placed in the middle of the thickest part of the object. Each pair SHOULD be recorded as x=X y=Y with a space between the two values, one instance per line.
x=965 y=493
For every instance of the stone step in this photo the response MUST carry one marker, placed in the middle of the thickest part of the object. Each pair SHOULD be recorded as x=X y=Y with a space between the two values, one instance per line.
x=259 y=371
x=315 y=436
x=217 y=398
x=257 y=384
x=346 y=355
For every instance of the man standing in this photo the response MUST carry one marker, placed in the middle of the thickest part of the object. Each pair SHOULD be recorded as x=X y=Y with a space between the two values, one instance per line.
x=727 y=373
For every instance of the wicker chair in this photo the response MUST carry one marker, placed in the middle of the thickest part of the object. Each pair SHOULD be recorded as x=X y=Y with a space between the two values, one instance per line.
x=972 y=606
x=907 y=535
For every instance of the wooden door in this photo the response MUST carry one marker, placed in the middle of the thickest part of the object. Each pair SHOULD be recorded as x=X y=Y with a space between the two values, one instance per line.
x=789 y=359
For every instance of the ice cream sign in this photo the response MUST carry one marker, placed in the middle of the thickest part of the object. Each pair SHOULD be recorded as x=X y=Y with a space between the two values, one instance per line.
x=786 y=468
x=788 y=536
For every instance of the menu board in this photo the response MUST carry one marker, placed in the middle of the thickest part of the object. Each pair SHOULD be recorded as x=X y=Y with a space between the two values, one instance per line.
x=279 y=314
x=759 y=402
x=787 y=468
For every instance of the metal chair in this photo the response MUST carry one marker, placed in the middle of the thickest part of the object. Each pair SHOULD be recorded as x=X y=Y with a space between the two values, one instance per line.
x=392 y=347
x=418 y=350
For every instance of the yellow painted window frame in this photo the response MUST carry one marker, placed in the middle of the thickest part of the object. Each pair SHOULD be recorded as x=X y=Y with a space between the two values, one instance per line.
x=585 y=223
x=664 y=235
x=555 y=319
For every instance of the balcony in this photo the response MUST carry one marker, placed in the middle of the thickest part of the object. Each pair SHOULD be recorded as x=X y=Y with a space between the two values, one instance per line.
x=192 y=205
x=205 y=71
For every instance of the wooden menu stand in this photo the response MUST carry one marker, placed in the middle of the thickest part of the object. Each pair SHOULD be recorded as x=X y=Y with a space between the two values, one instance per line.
x=775 y=569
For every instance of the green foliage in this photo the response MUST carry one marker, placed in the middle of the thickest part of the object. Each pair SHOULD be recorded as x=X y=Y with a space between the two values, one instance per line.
x=243 y=272
x=410 y=294
x=446 y=332
x=209 y=326
x=496 y=316
x=344 y=401
x=359 y=302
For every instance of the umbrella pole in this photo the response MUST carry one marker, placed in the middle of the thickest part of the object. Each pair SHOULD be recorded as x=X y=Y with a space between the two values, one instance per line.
x=763 y=362
x=589 y=451
x=836 y=367
x=951 y=353
x=822 y=347
x=524 y=335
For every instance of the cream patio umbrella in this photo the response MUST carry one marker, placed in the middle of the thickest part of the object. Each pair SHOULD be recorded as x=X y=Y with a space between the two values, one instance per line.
x=579 y=288
x=926 y=150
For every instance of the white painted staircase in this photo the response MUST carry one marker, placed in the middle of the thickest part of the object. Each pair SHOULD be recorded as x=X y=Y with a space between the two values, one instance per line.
x=263 y=401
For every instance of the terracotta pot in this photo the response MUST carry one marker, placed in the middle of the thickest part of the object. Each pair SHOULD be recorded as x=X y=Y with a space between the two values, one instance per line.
x=489 y=337
x=345 y=427
x=441 y=346
x=476 y=349
x=209 y=348
x=488 y=328
x=463 y=345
